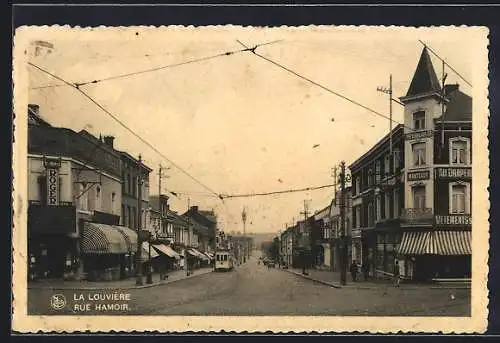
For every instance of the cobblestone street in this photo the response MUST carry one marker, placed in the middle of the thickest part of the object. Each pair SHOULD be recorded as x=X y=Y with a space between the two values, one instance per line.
x=253 y=289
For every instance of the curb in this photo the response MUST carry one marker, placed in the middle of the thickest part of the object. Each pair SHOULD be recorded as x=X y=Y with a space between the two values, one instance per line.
x=315 y=280
x=334 y=285
x=160 y=283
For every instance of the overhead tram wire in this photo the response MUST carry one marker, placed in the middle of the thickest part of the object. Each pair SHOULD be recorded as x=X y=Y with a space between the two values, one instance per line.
x=128 y=129
x=446 y=63
x=119 y=76
x=248 y=195
x=321 y=86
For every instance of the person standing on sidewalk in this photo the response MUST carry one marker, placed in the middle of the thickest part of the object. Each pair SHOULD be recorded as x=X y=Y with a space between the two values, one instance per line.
x=397 y=278
x=354 y=271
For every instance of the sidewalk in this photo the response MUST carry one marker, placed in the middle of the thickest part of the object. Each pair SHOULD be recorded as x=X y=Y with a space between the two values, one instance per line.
x=129 y=283
x=332 y=279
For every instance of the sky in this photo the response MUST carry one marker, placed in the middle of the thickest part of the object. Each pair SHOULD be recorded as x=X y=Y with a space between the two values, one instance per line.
x=240 y=124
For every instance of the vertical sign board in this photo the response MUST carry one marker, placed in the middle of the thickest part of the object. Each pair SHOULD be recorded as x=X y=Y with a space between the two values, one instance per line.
x=52 y=171
x=52 y=187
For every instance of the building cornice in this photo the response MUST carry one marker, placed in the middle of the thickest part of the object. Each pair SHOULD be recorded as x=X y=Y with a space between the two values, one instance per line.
x=70 y=159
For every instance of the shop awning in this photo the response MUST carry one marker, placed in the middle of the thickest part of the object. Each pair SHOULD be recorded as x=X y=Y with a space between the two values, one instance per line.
x=452 y=242
x=415 y=243
x=146 y=251
x=130 y=236
x=198 y=254
x=103 y=239
x=444 y=243
x=166 y=250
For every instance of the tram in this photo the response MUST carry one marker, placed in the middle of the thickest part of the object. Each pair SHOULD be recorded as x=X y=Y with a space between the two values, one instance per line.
x=224 y=261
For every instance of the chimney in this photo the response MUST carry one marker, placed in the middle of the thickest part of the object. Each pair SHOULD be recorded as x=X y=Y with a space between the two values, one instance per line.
x=108 y=140
x=33 y=109
x=448 y=89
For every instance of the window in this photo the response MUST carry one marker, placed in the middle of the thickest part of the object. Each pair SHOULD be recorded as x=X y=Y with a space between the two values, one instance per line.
x=458 y=198
x=419 y=120
x=370 y=177
x=378 y=208
x=358 y=185
x=396 y=203
x=83 y=197
x=378 y=172
x=396 y=160
x=358 y=216
x=113 y=202
x=418 y=150
x=458 y=152
x=370 y=214
x=98 y=198
x=134 y=186
x=387 y=205
x=419 y=197
x=387 y=167
x=129 y=217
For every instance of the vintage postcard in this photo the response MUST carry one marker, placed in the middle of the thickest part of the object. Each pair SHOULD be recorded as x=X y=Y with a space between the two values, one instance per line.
x=291 y=179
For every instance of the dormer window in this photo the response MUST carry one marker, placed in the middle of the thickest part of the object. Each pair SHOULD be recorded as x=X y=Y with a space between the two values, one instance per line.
x=419 y=120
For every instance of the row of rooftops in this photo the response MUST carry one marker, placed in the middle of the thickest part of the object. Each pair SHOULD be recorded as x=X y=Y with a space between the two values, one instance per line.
x=104 y=142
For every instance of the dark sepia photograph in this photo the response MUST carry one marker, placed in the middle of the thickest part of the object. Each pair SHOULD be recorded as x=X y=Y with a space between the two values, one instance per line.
x=185 y=178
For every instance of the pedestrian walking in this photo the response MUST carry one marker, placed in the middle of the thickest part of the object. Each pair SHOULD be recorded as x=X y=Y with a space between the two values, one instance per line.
x=397 y=278
x=354 y=271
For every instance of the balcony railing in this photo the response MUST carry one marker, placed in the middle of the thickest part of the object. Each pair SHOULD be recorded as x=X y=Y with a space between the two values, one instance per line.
x=417 y=215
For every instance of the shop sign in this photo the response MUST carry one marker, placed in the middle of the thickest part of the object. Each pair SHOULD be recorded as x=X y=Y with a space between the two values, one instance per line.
x=419 y=135
x=453 y=220
x=52 y=186
x=453 y=173
x=418 y=175
x=52 y=163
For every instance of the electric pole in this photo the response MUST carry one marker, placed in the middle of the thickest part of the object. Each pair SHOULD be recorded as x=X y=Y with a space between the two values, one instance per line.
x=304 y=244
x=389 y=92
x=443 y=80
x=343 y=270
x=139 y=235
x=330 y=236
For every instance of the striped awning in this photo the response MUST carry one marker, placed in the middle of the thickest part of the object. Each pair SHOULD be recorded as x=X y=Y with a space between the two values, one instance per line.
x=102 y=239
x=415 y=243
x=452 y=242
x=130 y=236
x=166 y=250
x=198 y=254
x=445 y=243
x=146 y=251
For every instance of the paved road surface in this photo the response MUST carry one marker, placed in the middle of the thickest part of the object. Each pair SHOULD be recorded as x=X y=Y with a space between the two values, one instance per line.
x=253 y=289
